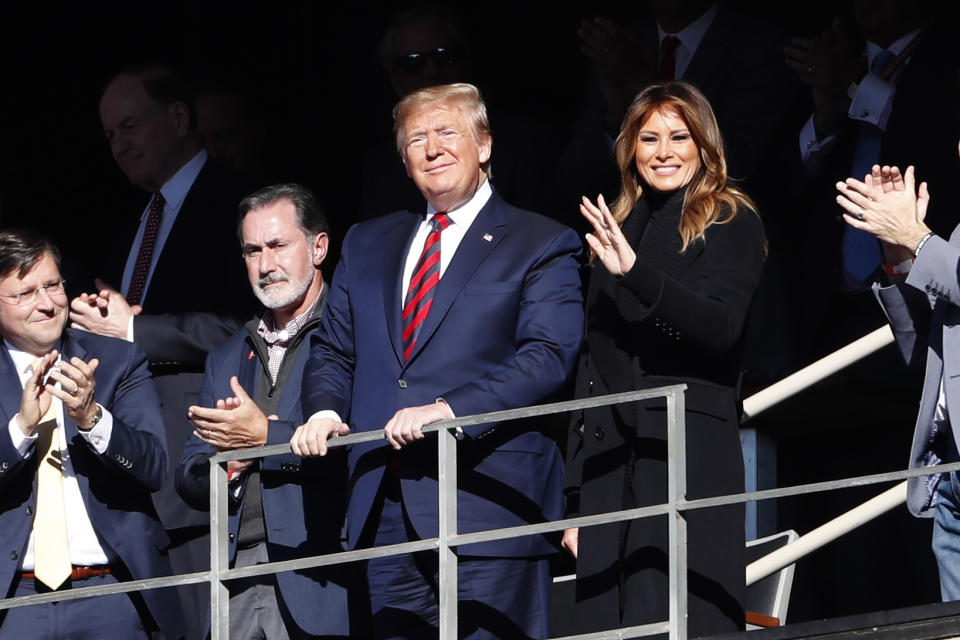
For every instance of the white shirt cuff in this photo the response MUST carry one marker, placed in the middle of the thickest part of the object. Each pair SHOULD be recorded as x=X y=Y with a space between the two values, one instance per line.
x=22 y=442
x=130 y=329
x=457 y=431
x=870 y=102
x=326 y=414
x=99 y=436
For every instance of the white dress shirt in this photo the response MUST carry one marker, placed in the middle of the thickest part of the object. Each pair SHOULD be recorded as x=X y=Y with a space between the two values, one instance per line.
x=460 y=220
x=85 y=548
x=871 y=103
x=174 y=193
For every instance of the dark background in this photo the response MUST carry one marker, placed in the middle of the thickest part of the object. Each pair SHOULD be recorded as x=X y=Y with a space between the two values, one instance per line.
x=313 y=68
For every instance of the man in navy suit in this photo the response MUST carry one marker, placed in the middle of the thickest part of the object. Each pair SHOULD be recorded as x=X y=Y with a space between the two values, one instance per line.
x=280 y=508
x=165 y=297
x=473 y=307
x=85 y=403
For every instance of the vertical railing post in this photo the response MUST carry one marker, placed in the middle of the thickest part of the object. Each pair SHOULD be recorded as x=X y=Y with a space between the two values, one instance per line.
x=447 y=526
x=677 y=491
x=219 y=554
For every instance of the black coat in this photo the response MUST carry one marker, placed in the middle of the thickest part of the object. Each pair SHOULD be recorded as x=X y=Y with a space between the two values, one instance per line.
x=675 y=317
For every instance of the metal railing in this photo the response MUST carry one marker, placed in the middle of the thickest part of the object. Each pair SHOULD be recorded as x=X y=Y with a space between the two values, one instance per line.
x=448 y=538
x=447 y=535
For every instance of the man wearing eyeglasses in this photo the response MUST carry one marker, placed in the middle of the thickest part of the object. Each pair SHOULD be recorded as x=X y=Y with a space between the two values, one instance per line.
x=83 y=449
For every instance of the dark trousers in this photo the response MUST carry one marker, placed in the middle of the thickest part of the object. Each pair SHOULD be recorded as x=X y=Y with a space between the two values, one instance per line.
x=498 y=597
x=112 y=616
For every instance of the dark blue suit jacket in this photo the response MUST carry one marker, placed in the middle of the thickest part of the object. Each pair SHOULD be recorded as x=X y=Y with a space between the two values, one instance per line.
x=503 y=332
x=181 y=323
x=302 y=500
x=116 y=486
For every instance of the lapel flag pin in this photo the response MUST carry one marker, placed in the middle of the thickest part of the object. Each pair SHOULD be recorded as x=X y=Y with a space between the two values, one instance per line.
x=487 y=237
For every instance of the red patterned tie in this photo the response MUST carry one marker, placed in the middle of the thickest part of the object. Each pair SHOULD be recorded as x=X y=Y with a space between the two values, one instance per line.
x=142 y=266
x=425 y=277
x=668 y=61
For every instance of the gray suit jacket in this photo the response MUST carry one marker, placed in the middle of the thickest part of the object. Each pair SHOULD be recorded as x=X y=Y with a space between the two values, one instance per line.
x=924 y=313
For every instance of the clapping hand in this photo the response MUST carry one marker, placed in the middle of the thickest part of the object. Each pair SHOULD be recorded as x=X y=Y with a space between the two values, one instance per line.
x=105 y=312
x=888 y=206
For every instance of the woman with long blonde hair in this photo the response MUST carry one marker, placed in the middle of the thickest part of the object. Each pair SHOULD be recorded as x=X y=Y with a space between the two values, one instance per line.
x=675 y=263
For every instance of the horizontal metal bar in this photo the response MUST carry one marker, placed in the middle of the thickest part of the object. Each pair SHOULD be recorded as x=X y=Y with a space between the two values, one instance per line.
x=464 y=539
x=625 y=632
x=701 y=503
x=106 y=589
x=817 y=487
x=334 y=558
x=558 y=525
x=826 y=533
x=471 y=538
x=466 y=421
x=232 y=574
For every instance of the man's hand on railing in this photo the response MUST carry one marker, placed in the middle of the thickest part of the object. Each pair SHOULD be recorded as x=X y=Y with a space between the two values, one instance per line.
x=571 y=540
x=405 y=425
x=310 y=439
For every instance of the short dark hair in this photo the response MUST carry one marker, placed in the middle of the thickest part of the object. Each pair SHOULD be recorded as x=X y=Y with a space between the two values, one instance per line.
x=22 y=249
x=164 y=86
x=309 y=214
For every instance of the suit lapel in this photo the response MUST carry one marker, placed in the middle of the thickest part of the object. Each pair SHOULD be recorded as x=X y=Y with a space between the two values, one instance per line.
x=394 y=255
x=10 y=389
x=249 y=368
x=705 y=64
x=487 y=230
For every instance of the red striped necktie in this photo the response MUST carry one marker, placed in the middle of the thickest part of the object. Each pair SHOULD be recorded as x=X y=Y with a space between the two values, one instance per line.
x=424 y=281
x=138 y=282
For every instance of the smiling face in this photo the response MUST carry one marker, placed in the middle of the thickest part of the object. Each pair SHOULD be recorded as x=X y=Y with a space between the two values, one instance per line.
x=442 y=155
x=666 y=155
x=34 y=327
x=145 y=137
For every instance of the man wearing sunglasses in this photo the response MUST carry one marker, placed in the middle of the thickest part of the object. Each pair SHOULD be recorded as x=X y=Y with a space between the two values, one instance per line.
x=428 y=46
x=83 y=448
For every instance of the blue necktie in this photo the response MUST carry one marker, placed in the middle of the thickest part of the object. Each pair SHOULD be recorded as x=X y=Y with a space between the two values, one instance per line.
x=861 y=251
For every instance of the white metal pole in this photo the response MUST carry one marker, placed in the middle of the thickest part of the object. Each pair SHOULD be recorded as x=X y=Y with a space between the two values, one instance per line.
x=813 y=373
x=826 y=533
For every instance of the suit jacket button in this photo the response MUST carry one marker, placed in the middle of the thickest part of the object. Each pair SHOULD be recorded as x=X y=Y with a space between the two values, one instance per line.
x=4 y=466
x=598 y=433
x=402 y=383
x=14 y=555
x=232 y=537
x=29 y=511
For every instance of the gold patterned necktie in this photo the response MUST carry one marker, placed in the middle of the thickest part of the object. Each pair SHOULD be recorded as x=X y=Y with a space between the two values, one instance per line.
x=51 y=546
